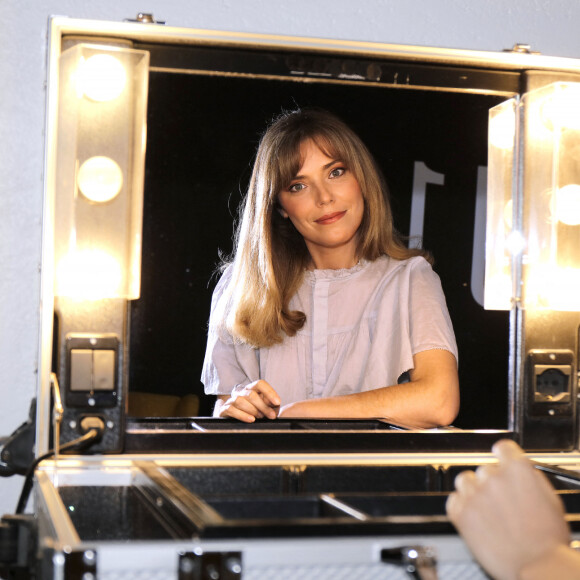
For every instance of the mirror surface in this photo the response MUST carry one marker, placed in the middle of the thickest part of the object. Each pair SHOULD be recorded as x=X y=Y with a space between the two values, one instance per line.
x=203 y=130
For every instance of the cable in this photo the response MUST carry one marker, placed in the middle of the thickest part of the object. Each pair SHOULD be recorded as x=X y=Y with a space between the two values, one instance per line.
x=90 y=436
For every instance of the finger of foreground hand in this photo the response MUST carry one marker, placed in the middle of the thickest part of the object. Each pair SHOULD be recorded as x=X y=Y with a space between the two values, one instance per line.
x=465 y=482
x=484 y=472
x=507 y=450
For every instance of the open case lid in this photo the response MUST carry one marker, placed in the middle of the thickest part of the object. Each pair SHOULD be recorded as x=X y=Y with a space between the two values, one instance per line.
x=204 y=97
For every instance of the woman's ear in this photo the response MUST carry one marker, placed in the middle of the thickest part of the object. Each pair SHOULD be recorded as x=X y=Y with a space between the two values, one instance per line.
x=281 y=211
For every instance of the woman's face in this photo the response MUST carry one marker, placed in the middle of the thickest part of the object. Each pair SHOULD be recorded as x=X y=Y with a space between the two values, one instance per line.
x=325 y=204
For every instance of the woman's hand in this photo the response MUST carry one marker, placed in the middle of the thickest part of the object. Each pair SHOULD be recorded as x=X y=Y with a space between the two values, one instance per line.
x=254 y=401
x=509 y=515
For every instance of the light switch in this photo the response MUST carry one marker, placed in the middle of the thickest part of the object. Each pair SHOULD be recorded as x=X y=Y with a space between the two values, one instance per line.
x=81 y=369
x=104 y=370
x=92 y=369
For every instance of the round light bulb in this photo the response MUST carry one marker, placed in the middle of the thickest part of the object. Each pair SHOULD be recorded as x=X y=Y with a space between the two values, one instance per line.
x=101 y=77
x=568 y=204
x=100 y=179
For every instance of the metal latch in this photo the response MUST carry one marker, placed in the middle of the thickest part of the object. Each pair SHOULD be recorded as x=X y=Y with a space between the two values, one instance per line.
x=521 y=48
x=210 y=566
x=145 y=18
x=419 y=561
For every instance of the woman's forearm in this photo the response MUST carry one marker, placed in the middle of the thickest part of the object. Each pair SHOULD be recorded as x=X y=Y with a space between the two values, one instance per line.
x=430 y=399
x=408 y=405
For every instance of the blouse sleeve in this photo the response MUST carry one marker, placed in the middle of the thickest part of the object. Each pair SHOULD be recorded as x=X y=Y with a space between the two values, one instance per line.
x=429 y=321
x=227 y=365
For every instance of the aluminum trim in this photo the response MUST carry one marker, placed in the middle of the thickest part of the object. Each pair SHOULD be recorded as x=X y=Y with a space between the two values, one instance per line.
x=61 y=26
x=71 y=465
x=64 y=530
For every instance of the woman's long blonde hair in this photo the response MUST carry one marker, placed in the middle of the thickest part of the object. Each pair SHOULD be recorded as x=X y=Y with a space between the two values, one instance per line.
x=270 y=255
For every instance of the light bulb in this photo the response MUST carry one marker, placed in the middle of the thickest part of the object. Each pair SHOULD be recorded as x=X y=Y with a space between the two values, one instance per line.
x=100 y=179
x=568 y=204
x=101 y=77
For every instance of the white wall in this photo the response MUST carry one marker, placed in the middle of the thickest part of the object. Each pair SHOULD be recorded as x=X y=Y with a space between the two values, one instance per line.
x=550 y=26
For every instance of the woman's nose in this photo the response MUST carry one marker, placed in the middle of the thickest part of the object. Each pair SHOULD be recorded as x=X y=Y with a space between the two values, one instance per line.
x=323 y=195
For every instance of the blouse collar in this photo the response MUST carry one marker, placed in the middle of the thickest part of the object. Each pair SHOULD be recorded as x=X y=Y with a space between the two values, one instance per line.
x=342 y=273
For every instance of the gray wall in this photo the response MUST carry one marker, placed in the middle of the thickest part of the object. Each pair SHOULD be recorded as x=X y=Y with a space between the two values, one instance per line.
x=550 y=26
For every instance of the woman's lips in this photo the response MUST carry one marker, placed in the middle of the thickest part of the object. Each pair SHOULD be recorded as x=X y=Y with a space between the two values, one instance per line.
x=330 y=218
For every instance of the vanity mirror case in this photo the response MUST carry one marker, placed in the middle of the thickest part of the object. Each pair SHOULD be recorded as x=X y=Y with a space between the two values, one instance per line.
x=168 y=491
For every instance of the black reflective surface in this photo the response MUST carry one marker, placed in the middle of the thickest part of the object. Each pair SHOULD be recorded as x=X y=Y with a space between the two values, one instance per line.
x=113 y=513
x=274 y=501
x=212 y=435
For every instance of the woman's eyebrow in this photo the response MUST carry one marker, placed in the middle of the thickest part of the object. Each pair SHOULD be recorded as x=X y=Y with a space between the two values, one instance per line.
x=324 y=167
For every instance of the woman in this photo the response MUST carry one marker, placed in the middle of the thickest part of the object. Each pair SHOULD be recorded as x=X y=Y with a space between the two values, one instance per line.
x=323 y=309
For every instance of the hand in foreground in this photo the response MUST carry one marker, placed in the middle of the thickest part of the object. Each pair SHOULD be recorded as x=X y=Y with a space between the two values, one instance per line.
x=254 y=401
x=508 y=514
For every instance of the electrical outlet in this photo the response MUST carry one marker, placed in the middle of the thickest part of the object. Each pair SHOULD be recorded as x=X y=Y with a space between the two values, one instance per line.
x=550 y=384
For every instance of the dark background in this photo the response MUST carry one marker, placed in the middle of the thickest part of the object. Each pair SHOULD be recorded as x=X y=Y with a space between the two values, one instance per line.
x=202 y=135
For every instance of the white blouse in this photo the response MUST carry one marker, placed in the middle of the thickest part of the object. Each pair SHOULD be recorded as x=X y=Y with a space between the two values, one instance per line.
x=363 y=326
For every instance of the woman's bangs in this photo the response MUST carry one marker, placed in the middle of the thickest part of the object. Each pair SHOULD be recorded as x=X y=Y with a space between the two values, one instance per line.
x=288 y=162
x=332 y=146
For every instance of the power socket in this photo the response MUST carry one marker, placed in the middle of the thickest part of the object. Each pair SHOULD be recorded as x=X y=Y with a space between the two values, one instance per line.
x=550 y=373
x=548 y=403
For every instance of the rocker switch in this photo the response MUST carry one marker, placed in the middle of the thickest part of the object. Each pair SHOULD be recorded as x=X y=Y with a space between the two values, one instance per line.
x=81 y=369
x=103 y=370
x=92 y=369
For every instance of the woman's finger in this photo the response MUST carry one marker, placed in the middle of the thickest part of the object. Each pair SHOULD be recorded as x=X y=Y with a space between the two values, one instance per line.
x=267 y=392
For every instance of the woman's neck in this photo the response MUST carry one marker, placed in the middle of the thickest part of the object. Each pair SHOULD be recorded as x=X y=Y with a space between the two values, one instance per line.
x=328 y=263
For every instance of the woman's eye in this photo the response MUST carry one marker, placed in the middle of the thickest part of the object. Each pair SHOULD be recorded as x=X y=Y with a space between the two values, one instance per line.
x=337 y=172
x=296 y=187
